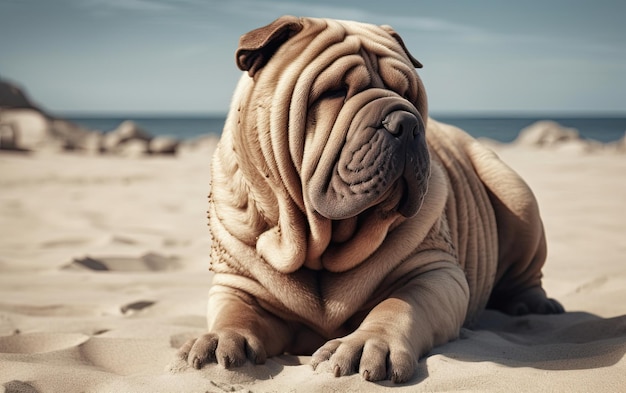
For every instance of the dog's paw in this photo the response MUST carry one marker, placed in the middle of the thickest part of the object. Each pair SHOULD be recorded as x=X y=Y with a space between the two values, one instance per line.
x=374 y=357
x=228 y=348
x=533 y=301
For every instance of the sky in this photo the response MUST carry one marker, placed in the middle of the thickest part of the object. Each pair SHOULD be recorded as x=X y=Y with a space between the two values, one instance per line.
x=177 y=56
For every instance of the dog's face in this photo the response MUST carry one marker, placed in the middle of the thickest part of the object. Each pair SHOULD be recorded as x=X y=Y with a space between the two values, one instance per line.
x=344 y=110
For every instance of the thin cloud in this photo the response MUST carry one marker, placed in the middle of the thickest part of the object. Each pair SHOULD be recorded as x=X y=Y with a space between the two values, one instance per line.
x=268 y=9
x=432 y=25
x=113 y=6
x=445 y=29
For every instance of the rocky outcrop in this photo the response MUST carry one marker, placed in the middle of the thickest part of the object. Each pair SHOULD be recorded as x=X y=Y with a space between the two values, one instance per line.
x=619 y=145
x=11 y=97
x=549 y=134
x=126 y=132
x=26 y=127
x=23 y=129
x=546 y=133
x=32 y=130
x=163 y=145
x=129 y=139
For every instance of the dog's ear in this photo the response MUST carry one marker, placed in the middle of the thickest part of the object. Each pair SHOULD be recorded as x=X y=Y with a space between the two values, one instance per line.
x=259 y=45
x=397 y=37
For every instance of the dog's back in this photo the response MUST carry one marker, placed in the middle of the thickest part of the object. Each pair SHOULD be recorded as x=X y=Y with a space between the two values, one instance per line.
x=493 y=217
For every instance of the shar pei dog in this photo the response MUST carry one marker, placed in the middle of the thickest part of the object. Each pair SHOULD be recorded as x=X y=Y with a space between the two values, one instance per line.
x=345 y=223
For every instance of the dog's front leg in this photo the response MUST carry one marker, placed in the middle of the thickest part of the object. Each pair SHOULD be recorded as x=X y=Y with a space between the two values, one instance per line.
x=239 y=329
x=429 y=310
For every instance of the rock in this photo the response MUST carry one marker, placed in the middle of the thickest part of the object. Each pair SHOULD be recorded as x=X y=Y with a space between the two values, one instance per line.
x=73 y=136
x=93 y=143
x=24 y=126
x=130 y=140
x=546 y=133
x=30 y=129
x=8 y=137
x=25 y=129
x=619 y=146
x=11 y=96
x=126 y=131
x=133 y=148
x=163 y=145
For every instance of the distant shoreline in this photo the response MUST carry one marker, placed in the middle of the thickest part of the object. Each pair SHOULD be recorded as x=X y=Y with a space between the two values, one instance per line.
x=500 y=127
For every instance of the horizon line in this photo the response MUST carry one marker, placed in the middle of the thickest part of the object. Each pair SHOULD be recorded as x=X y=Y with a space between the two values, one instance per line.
x=435 y=114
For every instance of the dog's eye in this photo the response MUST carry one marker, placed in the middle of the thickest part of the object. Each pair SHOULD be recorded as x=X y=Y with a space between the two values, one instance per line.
x=332 y=93
x=340 y=92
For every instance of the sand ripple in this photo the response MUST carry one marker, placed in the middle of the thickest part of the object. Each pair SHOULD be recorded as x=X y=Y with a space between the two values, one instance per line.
x=31 y=343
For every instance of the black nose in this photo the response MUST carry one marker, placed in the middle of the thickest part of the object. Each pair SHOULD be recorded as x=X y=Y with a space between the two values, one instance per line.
x=401 y=123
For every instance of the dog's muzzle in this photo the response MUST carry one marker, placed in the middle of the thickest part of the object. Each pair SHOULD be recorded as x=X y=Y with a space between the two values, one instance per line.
x=383 y=161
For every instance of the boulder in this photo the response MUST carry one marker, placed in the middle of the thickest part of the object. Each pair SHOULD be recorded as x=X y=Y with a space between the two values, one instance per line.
x=27 y=129
x=546 y=133
x=93 y=143
x=126 y=131
x=619 y=146
x=25 y=126
x=12 y=96
x=75 y=137
x=163 y=145
x=8 y=137
x=133 y=148
x=32 y=130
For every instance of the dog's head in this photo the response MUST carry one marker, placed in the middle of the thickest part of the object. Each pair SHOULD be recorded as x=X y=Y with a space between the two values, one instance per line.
x=346 y=108
x=324 y=148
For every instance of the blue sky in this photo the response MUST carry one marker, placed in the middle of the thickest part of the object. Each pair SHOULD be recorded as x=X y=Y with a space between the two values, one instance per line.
x=177 y=56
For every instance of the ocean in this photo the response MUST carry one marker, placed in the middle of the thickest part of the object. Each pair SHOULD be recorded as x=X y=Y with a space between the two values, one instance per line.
x=503 y=129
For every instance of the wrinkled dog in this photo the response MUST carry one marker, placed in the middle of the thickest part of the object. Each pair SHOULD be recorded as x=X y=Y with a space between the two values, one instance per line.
x=348 y=224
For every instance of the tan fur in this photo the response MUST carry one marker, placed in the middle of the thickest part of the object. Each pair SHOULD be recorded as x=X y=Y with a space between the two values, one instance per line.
x=382 y=287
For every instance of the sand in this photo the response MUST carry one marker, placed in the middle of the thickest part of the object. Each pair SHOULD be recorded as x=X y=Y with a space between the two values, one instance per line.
x=103 y=275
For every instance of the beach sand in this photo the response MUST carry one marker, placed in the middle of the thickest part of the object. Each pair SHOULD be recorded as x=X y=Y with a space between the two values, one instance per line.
x=104 y=274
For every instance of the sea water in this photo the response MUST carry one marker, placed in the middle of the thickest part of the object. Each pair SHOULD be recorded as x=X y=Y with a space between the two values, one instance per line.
x=499 y=128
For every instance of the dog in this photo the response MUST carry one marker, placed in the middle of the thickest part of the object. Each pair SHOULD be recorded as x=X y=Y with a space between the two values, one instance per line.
x=345 y=222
